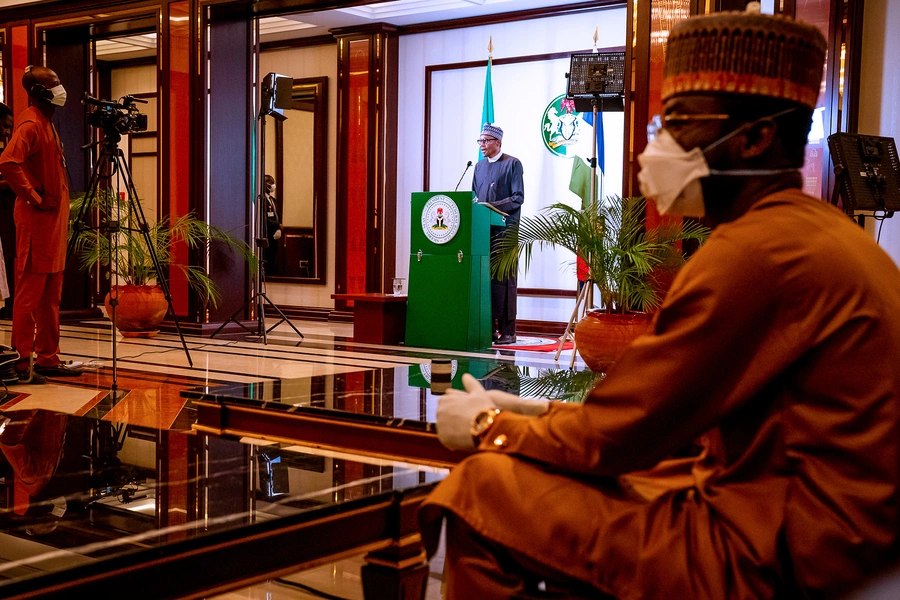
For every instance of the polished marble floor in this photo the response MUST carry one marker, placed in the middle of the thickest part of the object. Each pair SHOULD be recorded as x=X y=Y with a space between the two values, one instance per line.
x=153 y=372
x=147 y=391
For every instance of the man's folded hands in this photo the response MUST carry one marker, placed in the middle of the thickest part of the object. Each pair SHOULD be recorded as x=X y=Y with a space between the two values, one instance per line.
x=457 y=410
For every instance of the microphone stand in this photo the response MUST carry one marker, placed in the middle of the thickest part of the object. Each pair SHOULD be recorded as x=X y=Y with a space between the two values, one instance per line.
x=468 y=164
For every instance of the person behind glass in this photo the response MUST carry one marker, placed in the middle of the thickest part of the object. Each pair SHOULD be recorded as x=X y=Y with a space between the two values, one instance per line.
x=745 y=447
x=498 y=182
x=273 y=225
x=34 y=166
x=8 y=237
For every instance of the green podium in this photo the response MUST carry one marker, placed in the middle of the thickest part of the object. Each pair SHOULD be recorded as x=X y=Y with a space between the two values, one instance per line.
x=449 y=302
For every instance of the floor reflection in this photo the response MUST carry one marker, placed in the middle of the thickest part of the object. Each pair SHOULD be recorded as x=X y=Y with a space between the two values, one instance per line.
x=77 y=489
x=88 y=472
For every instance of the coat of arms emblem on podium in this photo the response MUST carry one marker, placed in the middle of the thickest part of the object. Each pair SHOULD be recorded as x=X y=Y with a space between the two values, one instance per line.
x=440 y=219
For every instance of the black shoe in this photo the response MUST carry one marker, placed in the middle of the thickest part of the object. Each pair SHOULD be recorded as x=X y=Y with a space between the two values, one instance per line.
x=60 y=370
x=495 y=336
x=505 y=340
x=33 y=378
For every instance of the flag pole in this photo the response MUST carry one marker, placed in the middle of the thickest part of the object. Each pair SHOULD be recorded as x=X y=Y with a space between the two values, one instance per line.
x=487 y=110
x=596 y=116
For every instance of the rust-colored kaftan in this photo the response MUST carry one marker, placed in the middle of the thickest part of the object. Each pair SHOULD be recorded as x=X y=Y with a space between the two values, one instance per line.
x=34 y=166
x=776 y=357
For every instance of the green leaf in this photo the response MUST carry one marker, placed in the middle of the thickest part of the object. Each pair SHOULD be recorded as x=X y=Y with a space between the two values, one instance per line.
x=114 y=240
x=611 y=237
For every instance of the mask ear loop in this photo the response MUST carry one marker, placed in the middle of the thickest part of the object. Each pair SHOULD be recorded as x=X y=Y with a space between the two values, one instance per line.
x=747 y=172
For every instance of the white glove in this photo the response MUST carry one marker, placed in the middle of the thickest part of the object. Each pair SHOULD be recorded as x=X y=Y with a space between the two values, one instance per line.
x=457 y=410
x=276 y=235
x=522 y=406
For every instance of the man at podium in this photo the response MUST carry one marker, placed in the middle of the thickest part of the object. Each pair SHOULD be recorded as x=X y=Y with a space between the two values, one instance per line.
x=498 y=182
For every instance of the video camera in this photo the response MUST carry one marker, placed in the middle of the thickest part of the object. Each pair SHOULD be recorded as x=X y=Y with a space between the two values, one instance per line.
x=120 y=117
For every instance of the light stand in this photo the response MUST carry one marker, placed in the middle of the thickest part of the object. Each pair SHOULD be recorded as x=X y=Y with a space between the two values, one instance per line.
x=584 y=301
x=596 y=82
x=276 y=94
x=111 y=162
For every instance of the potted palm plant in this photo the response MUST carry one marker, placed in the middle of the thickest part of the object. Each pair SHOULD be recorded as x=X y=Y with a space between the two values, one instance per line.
x=624 y=260
x=119 y=245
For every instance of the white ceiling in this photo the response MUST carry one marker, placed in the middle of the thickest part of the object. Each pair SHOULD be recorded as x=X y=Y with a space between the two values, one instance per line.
x=396 y=12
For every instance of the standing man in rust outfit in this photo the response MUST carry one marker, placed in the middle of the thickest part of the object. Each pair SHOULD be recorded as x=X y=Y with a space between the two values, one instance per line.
x=749 y=445
x=34 y=166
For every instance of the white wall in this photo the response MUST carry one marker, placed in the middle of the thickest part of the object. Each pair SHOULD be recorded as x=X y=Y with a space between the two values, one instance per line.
x=879 y=111
x=521 y=92
x=546 y=176
x=315 y=61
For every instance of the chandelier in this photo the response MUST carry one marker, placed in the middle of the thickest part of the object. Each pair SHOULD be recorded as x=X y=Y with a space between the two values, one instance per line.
x=664 y=15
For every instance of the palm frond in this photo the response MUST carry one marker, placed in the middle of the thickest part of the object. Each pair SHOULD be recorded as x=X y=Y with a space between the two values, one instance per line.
x=610 y=236
x=555 y=384
x=128 y=253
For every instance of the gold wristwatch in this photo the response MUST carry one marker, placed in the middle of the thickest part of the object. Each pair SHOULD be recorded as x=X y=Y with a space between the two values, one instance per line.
x=482 y=422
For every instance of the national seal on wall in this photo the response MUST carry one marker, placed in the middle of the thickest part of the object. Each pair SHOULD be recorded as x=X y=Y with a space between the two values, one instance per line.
x=561 y=126
x=440 y=219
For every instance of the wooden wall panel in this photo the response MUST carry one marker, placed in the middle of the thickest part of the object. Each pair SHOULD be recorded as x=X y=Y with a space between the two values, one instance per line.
x=229 y=125
x=177 y=114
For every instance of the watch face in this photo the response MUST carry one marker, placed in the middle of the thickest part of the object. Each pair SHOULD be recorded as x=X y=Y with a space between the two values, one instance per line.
x=482 y=421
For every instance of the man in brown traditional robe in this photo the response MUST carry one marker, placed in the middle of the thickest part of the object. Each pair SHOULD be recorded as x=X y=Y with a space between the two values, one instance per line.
x=749 y=446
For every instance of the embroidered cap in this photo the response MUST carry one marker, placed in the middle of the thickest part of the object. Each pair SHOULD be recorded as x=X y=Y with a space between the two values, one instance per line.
x=745 y=54
x=492 y=130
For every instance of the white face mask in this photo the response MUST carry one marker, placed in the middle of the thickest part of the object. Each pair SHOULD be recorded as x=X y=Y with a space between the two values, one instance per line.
x=670 y=175
x=59 y=95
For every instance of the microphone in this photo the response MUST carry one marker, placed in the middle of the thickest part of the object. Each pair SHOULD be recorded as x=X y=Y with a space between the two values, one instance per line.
x=468 y=164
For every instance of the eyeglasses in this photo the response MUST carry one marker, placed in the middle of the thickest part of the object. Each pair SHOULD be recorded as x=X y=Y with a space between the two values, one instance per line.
x=481 y=141
x=674 y=120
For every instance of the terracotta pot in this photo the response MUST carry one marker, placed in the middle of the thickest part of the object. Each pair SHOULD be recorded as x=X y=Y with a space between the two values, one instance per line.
x=140 y=310
x=602 y=338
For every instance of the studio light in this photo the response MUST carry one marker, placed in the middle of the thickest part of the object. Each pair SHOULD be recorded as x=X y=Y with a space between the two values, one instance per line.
x=597 y=76
x=867 y=172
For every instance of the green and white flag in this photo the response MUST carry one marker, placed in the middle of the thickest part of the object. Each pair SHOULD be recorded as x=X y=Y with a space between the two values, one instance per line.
x=487 y=111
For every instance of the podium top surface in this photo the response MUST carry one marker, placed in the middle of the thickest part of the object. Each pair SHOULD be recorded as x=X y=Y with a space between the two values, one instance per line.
x=492 y=208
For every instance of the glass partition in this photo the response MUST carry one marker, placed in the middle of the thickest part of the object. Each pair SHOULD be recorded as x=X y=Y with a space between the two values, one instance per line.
x=88 y=501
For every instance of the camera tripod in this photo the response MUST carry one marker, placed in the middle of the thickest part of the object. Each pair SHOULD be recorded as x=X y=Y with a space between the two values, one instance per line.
x=111 y=162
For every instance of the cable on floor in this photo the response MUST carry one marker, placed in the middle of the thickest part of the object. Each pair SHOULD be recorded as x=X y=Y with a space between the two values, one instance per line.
x=178 y=349
x=162 y=351
x=309 y=589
